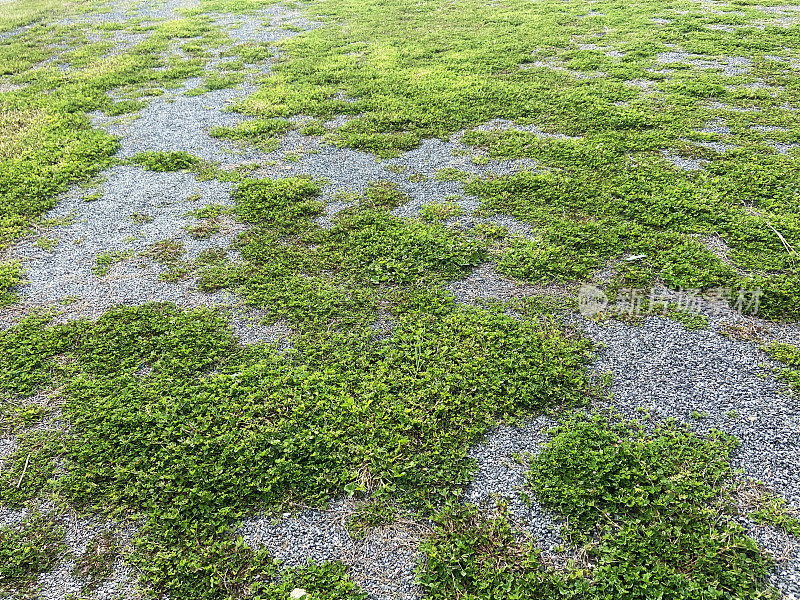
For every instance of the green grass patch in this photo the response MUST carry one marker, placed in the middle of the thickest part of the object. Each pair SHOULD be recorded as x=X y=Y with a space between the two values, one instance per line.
x=10 y=275
x=169 y=418
x=384 y=194
x=649 y=503
x=790 y=356
x=381 y=248
x=172 y=422
x=262 y=133
x=38 y=160
x=106 y=260
x=285 y=205
x=166 y=161
x=651 y=511
x=216 y=81
x=404 y=72
x=690 y=319
x=440 y=211
x=29 y=550
x=766 y=508
x=46 y=140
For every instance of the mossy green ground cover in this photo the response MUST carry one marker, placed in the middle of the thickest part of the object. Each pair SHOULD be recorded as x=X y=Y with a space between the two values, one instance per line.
x=172 y=422
x=652 y=506
x=416 y=70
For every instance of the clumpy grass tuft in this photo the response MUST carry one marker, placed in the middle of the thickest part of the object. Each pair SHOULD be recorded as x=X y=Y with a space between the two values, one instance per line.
x=10 y=275
x=166 y=161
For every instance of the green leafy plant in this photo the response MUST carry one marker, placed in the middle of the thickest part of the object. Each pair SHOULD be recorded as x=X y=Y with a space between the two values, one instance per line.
x=191 y=450
x=166 y=161
x=439 y=211
x=205 y=228
x=29 y=550
x=649 y=503
x=690 y=319
x=790 y=356
x=166 y=251
x=473 y=555
x=262 y=133
x=372 y=513
x=10 y=275
x=384 y=194
x=284 y=204
x=378 y=247
x=763 y=506
x=106 y=260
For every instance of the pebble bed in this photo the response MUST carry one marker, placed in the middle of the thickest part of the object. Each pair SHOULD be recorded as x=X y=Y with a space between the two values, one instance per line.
x=383 y=560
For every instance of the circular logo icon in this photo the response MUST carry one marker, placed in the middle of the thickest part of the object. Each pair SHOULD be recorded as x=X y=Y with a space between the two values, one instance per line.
x=591 y=300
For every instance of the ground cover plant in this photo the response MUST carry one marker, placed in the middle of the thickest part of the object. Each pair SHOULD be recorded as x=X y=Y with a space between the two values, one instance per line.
x=32 y=549
x=651 y=510
x=46 y=140
x=658 y=146
x=194 y=450
x=790 y=356
x=96 y=563
x=609 y=190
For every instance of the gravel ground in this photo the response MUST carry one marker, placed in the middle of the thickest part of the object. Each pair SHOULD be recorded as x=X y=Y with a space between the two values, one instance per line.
x=501 y=474
x=65 y=274
x=661 y=370
x=348 y=171
x=383 y=561
x=61 y=582
x=659 y=366
x=669 y=372
x=485 y=283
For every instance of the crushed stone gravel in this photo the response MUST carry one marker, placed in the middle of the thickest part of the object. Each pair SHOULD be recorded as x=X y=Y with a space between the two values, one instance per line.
x=383 y=560
x=661 y=370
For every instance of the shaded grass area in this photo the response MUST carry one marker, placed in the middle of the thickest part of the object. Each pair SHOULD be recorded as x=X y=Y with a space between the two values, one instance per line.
x=651 y=511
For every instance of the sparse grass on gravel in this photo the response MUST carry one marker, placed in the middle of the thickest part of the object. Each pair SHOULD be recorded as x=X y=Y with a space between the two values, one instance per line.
x=168 y=419
x=46 y=141
x=27 y=551
x=97 y=561
x=405 y=71
x=651 y=513
x=790 y=356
